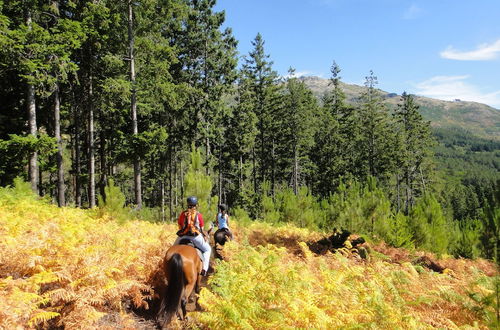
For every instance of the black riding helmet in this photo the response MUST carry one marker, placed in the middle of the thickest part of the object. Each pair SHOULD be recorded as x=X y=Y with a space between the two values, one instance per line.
x=192 y=201
x=223 y=207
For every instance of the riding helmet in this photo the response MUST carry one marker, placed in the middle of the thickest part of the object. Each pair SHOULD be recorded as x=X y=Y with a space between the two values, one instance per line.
x=223 y=207
x=192 y=201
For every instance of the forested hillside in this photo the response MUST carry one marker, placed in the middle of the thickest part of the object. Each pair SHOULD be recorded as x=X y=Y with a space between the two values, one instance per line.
x=95 y=91
x=129 y=107
x=471 y=117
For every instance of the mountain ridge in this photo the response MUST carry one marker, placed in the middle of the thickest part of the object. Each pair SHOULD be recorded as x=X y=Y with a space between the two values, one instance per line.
x=479 y=119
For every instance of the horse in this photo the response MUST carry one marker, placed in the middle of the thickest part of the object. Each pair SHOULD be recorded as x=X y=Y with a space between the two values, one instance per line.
x=182 y=267
x=221 y=236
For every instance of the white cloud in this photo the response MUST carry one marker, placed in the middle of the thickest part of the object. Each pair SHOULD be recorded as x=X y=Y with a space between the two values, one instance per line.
x=412 y=12
x=450 y=88
x=306 y=73
x=483 y=52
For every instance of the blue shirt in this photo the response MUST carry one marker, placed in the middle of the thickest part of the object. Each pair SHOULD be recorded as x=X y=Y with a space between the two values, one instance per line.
x=222 y=220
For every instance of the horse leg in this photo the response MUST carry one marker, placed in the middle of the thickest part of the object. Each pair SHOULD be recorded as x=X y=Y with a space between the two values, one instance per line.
x=183 y=308
x=197 y=287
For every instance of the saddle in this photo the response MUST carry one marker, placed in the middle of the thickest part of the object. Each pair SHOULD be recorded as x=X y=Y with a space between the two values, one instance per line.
x=187 y=241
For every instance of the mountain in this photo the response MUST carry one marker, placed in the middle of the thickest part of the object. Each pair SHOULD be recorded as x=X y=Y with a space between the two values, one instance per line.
x=479 y=119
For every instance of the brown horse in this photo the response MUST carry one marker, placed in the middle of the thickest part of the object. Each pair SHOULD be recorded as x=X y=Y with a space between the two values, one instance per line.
x=182 y=267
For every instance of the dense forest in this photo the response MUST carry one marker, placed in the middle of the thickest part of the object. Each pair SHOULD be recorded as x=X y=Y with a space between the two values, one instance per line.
x=143 y=94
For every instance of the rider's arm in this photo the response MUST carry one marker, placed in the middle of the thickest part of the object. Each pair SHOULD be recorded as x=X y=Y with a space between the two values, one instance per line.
x=180 y=221
x=200 y=219
x=227 y=220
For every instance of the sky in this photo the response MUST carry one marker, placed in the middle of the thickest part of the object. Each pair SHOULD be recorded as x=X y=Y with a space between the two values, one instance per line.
x=444 y=49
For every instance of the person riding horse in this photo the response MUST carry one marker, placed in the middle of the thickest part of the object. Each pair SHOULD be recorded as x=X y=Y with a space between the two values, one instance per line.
x=191 y=228
x=222 y=221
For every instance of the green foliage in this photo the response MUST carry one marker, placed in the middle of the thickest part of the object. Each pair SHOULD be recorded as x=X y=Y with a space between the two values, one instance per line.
x=240 y=215
x=114 y=204
x=376 y=150
x=429 y=225
x=413 y=154
x=400 y=234
x=257 y=137
x=468 y=243
x=362 y=209
x=490 y=237
x=488 y=301
x=15 y=151
x=20 y=190
x=199 y=184
x=300 y=209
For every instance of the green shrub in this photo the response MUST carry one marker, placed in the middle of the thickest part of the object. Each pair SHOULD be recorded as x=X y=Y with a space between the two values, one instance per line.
x=114 y=204
x=429 y=225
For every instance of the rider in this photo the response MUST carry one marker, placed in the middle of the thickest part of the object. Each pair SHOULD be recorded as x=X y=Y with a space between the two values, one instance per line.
x=222 y=220
x=191 y=227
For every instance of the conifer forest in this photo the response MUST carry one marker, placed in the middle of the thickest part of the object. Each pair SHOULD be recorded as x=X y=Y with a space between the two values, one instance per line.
x=113 y=112
x=95 y=92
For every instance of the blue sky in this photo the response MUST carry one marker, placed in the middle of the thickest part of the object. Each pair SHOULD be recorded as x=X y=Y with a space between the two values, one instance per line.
x=445 y=49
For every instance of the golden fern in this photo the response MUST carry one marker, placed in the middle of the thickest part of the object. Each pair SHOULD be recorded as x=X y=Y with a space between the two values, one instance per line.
x=42 y=316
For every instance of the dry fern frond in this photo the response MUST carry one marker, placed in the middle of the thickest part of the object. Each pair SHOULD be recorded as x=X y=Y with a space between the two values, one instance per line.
x=61 y=296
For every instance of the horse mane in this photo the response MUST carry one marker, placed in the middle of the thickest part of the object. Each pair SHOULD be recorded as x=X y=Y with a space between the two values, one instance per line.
x=171 y=297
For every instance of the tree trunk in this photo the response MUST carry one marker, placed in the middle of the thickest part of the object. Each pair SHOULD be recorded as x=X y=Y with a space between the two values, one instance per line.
x=408 y=192
x=170 y=186
x=254 y=171
x=220 y=175
x=240 y=184
x=61 y=201
x=398 y=205
x=295 y=170
x=104 y=178
x=133 y=107
x=33 y=162
x=207 y=146
x=30 y=101
x=77 y=166
x=273 y=176
x=182 y=179
x=91 y=146
x=162 y=193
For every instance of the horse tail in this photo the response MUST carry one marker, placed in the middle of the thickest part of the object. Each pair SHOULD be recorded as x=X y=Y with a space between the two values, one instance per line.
x=172 y=298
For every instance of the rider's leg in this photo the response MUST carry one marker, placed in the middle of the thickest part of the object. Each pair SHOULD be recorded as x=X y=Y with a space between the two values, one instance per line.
x=204 y=247
x=178 y=240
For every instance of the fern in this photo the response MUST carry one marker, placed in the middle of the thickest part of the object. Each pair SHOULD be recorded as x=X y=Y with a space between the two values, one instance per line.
x=42 y=317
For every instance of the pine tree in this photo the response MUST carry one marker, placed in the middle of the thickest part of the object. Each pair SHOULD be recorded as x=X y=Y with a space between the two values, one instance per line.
x=297 y=127
x=415 y=144
x=429 y=225
x=376 y=138
x=200 y=185
x=240 y=140
x=331 y=149
x=262 y=82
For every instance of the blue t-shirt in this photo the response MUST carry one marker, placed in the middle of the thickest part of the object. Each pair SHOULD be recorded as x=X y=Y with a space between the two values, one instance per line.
x=222 y=220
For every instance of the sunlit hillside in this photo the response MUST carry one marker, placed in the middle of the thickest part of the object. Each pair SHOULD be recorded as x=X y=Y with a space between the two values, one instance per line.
x=479 y=119
x=72 y=268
